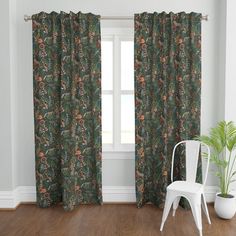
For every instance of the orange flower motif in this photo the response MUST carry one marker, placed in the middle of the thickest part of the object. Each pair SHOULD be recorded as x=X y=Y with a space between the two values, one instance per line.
x=164 y=173
x=141 y=118
x=78 y=79
x=179 y=79
x=77 y=40
x=141 y=152
x=42 y=190
x=39 y=78
x=39 y=117
x=40 y=40
x=78 y=117
x=142 y=41
x=141 y=188
x=78 y=152
x=163 y=59
x=180 y=40
x=77 y=188
x=141 y=79
x=164 y=98
x=41 y=154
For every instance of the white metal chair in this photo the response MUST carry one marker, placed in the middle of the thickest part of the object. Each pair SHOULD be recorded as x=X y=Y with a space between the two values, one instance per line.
x=192 y=191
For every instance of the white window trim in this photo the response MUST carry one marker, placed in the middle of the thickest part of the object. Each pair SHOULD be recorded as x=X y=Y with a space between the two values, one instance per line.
x=117 y=35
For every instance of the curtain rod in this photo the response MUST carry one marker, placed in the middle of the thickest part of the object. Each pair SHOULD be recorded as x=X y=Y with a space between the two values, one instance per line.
x=28 y=18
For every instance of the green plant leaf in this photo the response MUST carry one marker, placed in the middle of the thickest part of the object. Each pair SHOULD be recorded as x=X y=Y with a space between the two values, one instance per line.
x=220 y=138
x=230 y=135
x=205 y=139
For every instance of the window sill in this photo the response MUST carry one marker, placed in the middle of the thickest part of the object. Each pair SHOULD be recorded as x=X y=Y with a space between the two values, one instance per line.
x=118 y=151
x=124 y=148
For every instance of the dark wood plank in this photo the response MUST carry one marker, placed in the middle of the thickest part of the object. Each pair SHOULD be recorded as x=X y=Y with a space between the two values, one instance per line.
x=107 y=220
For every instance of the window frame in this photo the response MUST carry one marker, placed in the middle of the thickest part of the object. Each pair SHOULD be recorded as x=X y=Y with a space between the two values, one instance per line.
x=117 y=35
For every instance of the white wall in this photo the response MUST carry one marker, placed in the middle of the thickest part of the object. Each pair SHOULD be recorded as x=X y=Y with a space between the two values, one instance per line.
x=230 y=79
x=230 y=75
x=5 y=101
x=118 y=171
x=7 y=95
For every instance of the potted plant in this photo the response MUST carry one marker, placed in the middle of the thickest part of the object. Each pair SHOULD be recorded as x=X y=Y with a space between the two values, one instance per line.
x=222 y=141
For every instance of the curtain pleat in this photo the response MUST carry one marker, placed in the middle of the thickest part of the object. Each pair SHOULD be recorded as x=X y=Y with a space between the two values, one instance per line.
x=167 y=97
x=67 y=108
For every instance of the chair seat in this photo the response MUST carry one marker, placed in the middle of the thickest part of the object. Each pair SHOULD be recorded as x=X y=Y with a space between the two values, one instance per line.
x=185 y=186
x=192 y=191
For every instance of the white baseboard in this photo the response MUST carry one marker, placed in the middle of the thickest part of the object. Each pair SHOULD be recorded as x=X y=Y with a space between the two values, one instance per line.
x=26 y=194
x=11 y=199
x=119 y=194
x=7 y=199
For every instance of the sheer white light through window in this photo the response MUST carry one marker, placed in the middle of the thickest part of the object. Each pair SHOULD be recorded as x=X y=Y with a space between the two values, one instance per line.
x=118 y=132
x=107 y=85
x=107 y=118
x=127 y=65
x=107 y=65
x=127 y=92
x=127 y=119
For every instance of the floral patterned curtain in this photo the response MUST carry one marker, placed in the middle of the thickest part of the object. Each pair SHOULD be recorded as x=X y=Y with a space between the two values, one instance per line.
x=67 y=108
x=167 y=96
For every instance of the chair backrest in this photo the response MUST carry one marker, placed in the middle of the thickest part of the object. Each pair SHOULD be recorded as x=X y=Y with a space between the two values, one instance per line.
x=192 y=149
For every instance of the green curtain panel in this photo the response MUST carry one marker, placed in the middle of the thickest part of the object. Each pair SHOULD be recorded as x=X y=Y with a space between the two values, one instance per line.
x=167 y=97
x=67 y=108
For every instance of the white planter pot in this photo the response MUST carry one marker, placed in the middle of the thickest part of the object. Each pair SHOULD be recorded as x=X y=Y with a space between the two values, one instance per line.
x=225 y=207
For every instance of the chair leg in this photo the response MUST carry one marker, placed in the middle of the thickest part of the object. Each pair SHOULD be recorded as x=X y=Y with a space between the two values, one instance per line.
x=169 y=200
x=196 y=209
x=176 y=204
x=205 y=209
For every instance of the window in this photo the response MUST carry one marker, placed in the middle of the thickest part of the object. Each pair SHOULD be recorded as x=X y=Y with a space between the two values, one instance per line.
x=107 y=92
x=118 y=132
x=127 y=91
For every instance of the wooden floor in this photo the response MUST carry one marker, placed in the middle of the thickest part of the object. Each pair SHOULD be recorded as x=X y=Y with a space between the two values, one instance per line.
x=107 y=220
